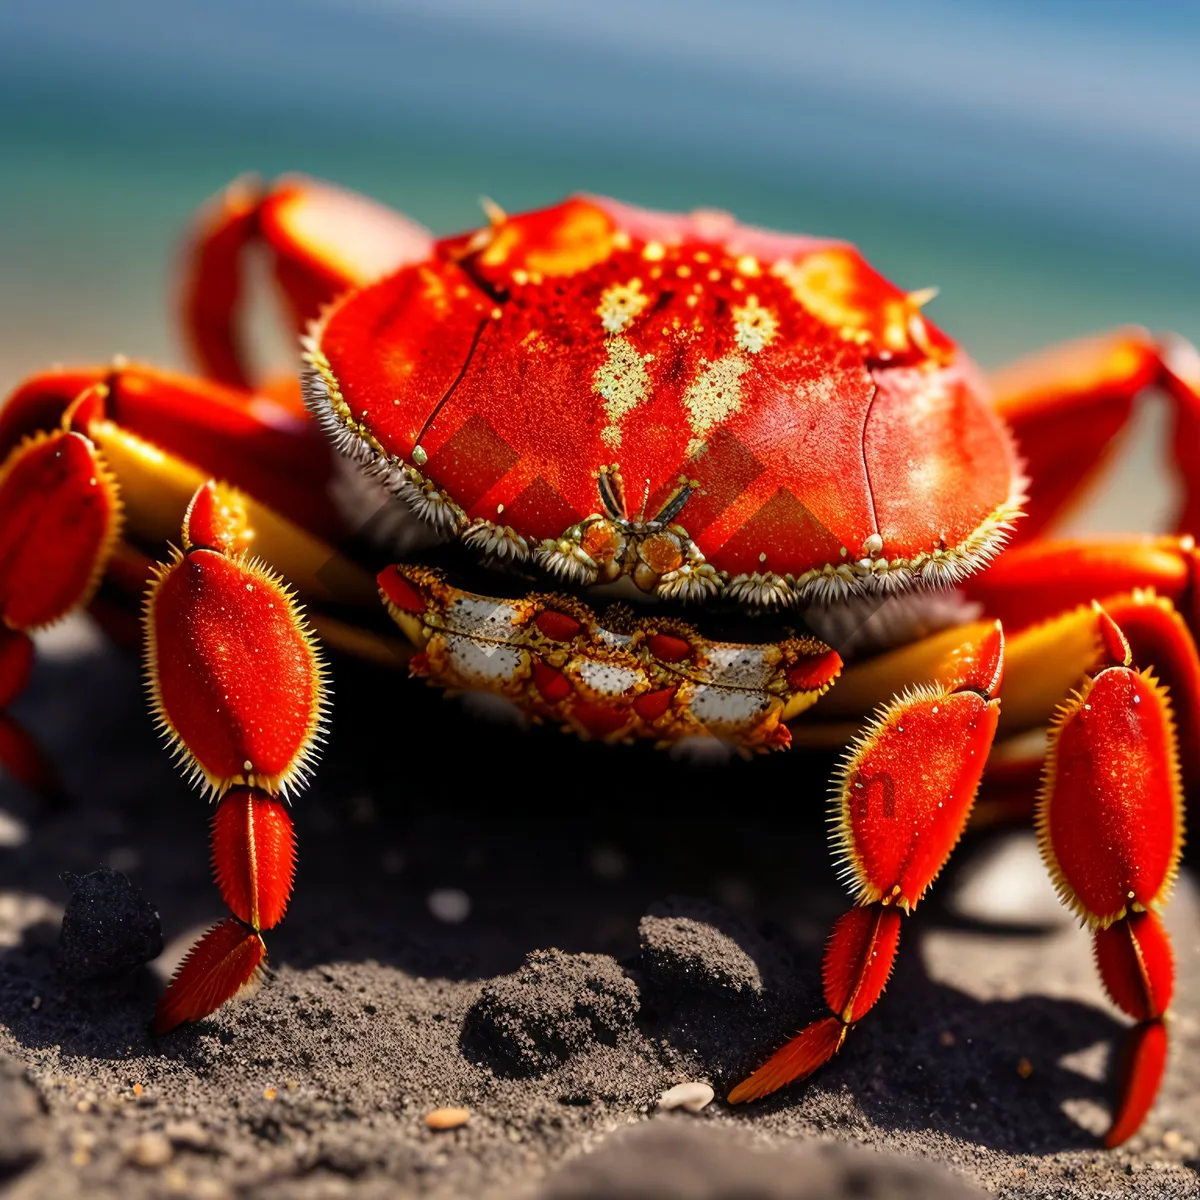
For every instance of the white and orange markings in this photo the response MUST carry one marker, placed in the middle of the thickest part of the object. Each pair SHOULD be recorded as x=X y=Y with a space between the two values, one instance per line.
x=622 y=382
x=837 y=285
x=620 y=304
x=607 y=677
x=714 y=394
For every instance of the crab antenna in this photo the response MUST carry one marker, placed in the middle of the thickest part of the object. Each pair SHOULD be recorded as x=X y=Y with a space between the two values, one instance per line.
x=645 y=501
x=674 y=504
x=612 y=492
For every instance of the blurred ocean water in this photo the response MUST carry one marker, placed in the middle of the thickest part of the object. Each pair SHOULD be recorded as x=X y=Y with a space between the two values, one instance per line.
x=1038 y=162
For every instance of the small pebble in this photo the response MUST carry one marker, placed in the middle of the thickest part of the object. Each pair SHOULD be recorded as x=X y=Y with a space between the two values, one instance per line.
x=690 y=1096
x=208 y=1189
x=191 y=1134
x=12 y=831
x=149 y=1150
x=447 y=1118
x=24 y=1132
x=177 y=1182
x=450 y=905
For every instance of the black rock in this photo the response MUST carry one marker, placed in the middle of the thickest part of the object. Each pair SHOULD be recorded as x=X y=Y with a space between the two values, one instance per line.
x=671 y=1158
x=690 y=947
x=556 y=1005
x=108 y=928
x=23 y=1121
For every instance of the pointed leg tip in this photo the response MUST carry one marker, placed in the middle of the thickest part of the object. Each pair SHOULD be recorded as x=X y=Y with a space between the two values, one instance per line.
x=799 y=1058
x=745 y=1091
x=1141 y=1074
x=223 y=963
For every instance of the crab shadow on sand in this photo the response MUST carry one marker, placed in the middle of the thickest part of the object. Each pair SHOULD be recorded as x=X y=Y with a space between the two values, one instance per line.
x=556 y=844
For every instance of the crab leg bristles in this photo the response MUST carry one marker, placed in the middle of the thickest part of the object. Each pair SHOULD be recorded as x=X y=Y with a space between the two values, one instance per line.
x=237 y=683
x=216 y=519
x=900 y=805
x=254 y=856
x=1110 y=823
x=320 y=241
x=858 y=961
x=61 y=519
x=224 y=963
x=254 y=861
x=233 y=669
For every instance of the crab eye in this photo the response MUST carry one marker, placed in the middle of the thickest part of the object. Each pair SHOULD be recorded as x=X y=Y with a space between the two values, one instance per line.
x=662 y=552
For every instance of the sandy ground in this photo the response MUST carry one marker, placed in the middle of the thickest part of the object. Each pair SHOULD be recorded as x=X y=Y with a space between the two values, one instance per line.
x=633 y=923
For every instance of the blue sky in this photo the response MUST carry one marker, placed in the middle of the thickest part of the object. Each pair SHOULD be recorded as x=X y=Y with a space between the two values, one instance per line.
x=1039 y=160
x=1084 y=111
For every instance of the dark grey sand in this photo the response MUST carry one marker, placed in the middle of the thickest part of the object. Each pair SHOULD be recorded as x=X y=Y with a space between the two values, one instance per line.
x=581 y=984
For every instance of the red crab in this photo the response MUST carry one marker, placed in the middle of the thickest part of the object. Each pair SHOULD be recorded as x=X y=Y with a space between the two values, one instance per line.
x=748 y=430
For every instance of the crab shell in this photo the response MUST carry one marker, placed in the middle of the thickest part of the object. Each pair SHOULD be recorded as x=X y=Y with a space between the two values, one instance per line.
x=707 y=407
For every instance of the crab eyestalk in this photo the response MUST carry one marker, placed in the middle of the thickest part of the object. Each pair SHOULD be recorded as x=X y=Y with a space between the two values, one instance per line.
x=901 y=804
x=1110 y=824
x=238 y=687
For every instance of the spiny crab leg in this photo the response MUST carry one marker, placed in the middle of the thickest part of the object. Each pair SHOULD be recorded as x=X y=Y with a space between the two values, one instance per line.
x=901 y=803
x=62 y=519
x=1041 y=579
x=321 y=241
x=238 y=686
x=1066 y=404
x=1110 y=823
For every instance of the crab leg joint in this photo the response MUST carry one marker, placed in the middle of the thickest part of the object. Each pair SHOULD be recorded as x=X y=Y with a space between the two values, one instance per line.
x=238 y=688
x=894 y=828
x=642 y=475
x=1110 y=824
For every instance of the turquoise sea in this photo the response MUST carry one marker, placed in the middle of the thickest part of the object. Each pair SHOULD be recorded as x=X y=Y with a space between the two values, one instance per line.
x=1039 y=163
